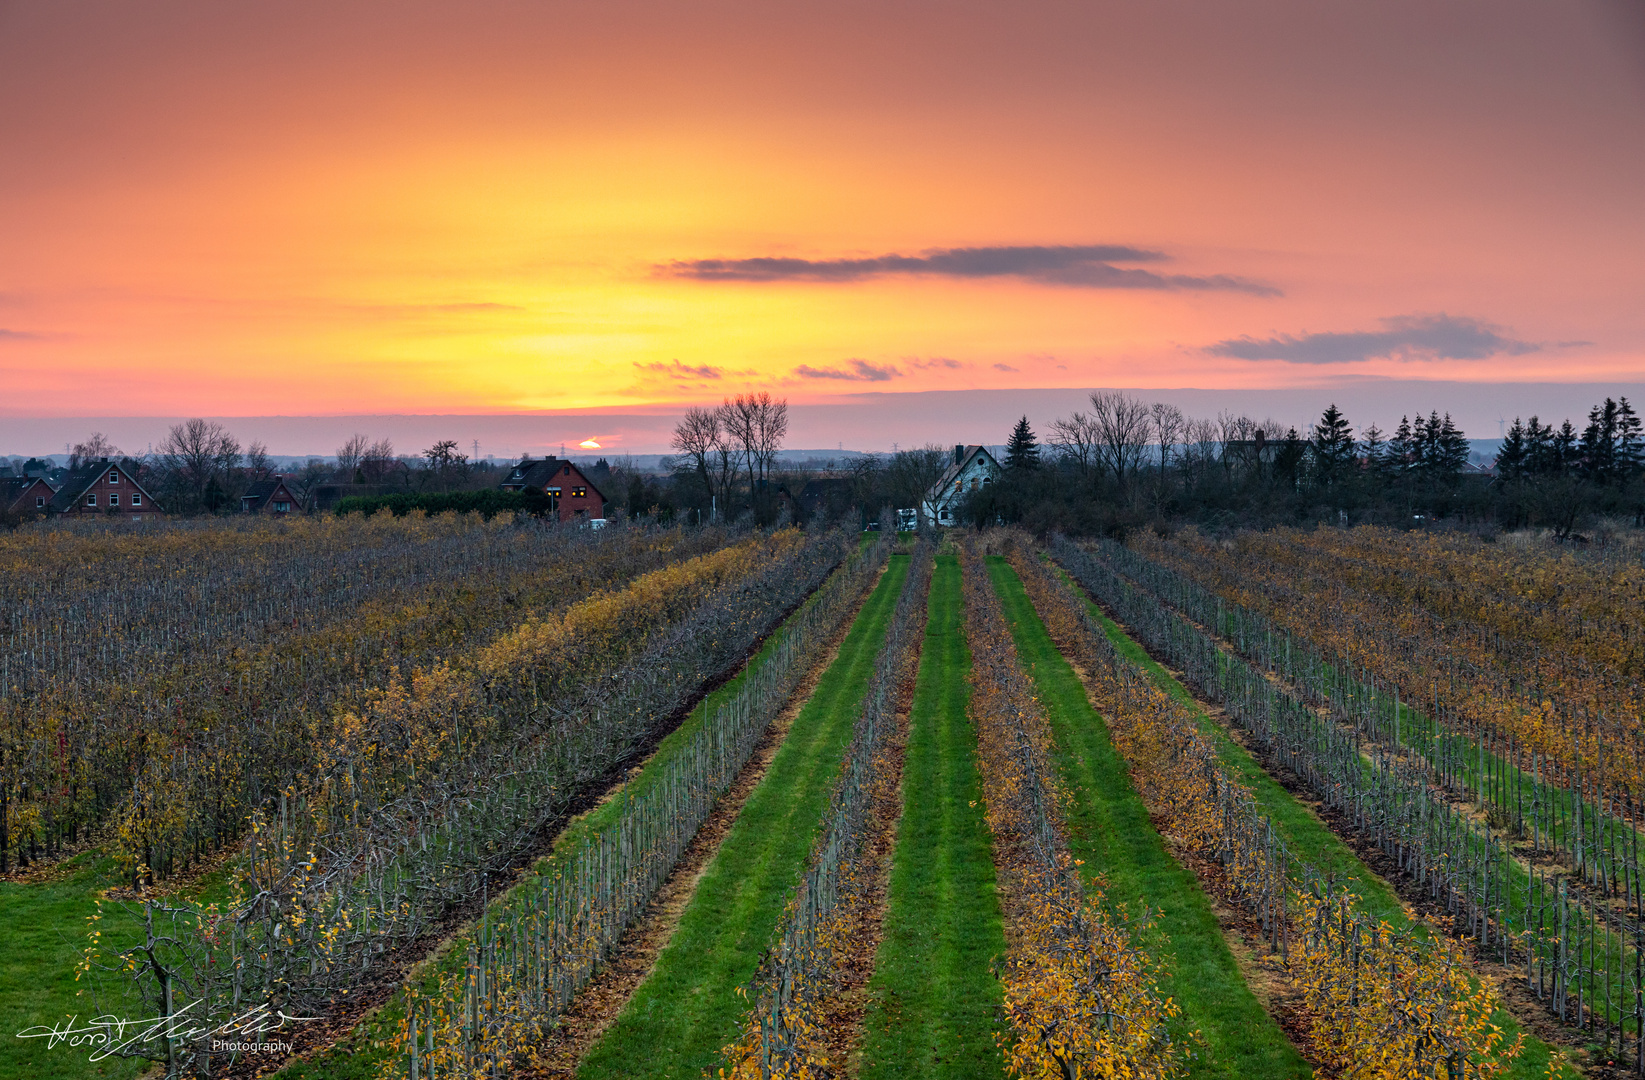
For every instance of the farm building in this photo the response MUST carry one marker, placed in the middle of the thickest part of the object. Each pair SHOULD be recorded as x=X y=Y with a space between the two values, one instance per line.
x=970 y=468
x=269 y=496
x=572 y=496
x=104 y=487
x=25 y=494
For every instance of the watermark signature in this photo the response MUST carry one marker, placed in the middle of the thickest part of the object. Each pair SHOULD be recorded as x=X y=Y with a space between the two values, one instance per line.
x=108 y=1034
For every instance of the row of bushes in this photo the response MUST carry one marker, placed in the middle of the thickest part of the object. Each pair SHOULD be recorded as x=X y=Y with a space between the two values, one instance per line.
x=488 y=502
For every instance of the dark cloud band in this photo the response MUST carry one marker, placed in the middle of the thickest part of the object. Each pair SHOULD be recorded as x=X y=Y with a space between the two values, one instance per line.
x=1405 y=337
x=1085 y=266
x=859 y=371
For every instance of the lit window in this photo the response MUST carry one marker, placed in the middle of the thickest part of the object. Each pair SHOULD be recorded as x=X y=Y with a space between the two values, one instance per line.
x=114 y=500
x=114 y=477
x=91 y=500
x=137 y=500
x=554 y=491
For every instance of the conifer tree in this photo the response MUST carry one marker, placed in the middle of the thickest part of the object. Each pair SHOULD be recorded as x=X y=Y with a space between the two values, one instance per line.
x=1513 y=457
x=1022 y=451
x=1333 y=444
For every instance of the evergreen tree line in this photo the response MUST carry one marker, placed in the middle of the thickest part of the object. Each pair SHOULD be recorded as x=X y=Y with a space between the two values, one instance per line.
x=1127 y=463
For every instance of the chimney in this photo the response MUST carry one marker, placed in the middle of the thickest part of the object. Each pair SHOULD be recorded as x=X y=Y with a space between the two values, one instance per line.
x=959 y=453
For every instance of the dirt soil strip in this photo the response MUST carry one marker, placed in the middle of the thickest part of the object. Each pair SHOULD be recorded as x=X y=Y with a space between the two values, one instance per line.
x=1509 y=979
x=846 y=1003
x=597 y=1005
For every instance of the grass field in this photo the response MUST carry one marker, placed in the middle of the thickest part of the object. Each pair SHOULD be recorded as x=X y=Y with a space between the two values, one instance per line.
x=689 y=1008
x=934 y=996
x=1302 y=829
x=1108 y=827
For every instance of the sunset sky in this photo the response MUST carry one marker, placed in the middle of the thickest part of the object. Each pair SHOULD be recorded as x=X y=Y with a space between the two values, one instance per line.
x=244 y=209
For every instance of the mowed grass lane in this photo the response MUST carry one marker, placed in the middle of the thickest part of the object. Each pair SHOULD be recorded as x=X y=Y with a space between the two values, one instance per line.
x=934 y=996
x=1108 y=828
x=42 y=930
x=689 y=1008
x=1303 y=831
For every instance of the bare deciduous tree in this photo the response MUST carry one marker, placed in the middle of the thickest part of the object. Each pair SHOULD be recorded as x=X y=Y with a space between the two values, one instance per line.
x=96 y=446
x=444 y=466
x=912 y=473
x=377 y=462
x=351 y=453
x=697 y=436
x=1076 y=439
x=257 y=462
x=770 y=427
x=1121 y=425
x=196 y=459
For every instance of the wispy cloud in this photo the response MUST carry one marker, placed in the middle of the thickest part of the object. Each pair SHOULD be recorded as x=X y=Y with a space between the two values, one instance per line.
x=1405 y=337
x=18 y=335
x=1082 y=265
x=932 y=362
x=684 y=372
x=1005 y=367
x=859 y=371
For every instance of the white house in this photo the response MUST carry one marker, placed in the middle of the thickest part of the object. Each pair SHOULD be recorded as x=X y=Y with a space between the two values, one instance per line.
x=971 y=468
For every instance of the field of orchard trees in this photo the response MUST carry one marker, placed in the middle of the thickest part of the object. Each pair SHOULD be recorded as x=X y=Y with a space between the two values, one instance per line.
x=407 y=798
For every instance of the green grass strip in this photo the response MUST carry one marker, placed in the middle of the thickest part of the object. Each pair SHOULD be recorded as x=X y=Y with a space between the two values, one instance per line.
x=689 y=1008
x=934 y=997
x=1303 y=831
x=42 y=929
x=1108 y=827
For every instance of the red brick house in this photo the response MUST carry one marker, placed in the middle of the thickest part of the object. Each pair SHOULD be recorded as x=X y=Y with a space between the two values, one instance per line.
x=269 y=496
x=104 y=487
x=570 y=493
x=25 y=494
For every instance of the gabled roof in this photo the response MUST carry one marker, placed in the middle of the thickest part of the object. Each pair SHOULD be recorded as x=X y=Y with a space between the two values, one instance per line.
x=261 y=491
x=956 y=468
x=77 y=483
x=543 y=473
x=14 y=488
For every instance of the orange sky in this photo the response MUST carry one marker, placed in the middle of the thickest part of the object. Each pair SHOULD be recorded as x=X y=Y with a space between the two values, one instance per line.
x=314 y=208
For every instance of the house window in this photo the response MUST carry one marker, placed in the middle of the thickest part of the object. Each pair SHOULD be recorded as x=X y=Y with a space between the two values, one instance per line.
x=114 y=477
x=91 y=500
x=554 y=492
x=282 y=507
x=137 y=500
x=579 y=493
x=39 y=502
x=114 y=500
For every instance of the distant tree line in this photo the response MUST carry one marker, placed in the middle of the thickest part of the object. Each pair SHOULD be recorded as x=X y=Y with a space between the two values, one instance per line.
x=1125 y=463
